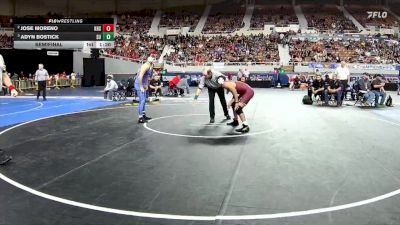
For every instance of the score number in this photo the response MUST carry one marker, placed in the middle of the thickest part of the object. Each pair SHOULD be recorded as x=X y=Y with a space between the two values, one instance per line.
x=108 y=32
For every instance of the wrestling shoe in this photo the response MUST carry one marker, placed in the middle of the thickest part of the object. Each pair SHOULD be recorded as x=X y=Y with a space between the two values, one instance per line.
x=244 y=129
x=146 y=117
x=142 y=120
x=212 y=120
x=234 y=123
x=227 y=117
x=4 y=158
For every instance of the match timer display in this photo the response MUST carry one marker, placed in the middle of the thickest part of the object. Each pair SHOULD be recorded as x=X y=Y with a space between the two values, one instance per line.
x=67 y=33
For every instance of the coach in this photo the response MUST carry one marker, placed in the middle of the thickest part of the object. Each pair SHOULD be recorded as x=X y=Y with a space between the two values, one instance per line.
x=343 y=74
x=210 y=80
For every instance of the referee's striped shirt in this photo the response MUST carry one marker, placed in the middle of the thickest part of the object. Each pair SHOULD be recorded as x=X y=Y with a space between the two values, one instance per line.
x=211 y=83
x=42 y=75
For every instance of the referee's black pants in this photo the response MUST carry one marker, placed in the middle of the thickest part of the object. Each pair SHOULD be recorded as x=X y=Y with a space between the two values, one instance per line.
x=41 y=87
x=221 y=95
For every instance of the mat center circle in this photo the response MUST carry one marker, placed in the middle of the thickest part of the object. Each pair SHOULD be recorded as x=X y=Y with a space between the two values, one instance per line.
x=197 y=126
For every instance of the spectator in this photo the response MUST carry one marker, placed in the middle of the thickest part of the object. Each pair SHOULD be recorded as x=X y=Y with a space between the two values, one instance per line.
x=343 y=74
x=156 y=86
x=378 y=88
x=110 y=88
x=364 y=85
x=318 y=87
x=335 y=88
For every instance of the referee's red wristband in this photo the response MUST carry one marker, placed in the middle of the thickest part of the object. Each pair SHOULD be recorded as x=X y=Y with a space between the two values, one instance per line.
x=11 y=87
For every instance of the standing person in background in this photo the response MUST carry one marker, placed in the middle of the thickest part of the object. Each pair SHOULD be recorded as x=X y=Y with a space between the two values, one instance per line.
x=246 y=73
x=5 y=79
x=210 y=80
x=41 y=76
x=73 y=79
x=240 y=73
x=343 y=74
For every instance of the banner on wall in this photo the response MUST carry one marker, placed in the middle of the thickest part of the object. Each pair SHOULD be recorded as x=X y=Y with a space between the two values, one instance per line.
x=218 y=65
x=372 y=66
x=355 y=66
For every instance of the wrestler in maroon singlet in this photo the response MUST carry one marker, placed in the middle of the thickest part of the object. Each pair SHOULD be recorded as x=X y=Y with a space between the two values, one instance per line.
x=245 y=92
x=242 y=94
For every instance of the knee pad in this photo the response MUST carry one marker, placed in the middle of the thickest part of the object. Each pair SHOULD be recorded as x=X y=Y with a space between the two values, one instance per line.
x=239 y=110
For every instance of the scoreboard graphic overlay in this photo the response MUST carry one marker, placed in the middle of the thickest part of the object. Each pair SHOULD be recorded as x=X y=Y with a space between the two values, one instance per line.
x=68 y=33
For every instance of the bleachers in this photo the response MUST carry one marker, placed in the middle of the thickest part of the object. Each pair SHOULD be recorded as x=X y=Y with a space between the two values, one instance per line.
x=278 y=14
x=181 y=17
x=395 y=7
x=327 y=18
x=137 y=47
x=258 y=48
x=138 y=22
x=360 y=14
x=371 y=51
x=225 y=17
x=6 y=21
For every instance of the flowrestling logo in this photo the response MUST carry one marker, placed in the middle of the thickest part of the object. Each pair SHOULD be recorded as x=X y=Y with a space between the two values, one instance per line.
x=377 y=14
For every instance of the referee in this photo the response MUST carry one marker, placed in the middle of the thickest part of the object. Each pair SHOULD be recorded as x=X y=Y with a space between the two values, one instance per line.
x=41 y=76
x=209 y=80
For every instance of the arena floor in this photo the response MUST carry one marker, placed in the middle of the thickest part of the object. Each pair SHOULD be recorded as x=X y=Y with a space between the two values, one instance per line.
x=299 y=165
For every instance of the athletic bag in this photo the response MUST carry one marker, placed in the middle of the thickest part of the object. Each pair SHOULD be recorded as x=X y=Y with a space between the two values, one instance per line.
x=307 y=100
x=389 y=101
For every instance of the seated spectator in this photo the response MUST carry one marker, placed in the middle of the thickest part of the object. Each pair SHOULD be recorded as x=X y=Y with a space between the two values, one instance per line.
x=303 y=83
x=318 y=87
x=156 y=86
x=364 y=85
x=174 y=88
x=293 y=81
x=110 y=88
x=378 y=88
x=335 y=88
x=184 y=83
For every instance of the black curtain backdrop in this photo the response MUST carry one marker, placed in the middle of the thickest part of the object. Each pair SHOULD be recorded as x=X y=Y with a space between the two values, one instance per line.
x=93 y=72
x=28 y=60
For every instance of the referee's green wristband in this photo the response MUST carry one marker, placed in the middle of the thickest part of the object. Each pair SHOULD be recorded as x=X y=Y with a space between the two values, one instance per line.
x=196 y=97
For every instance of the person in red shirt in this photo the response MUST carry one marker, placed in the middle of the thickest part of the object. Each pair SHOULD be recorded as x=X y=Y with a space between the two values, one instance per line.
x=173 y=85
